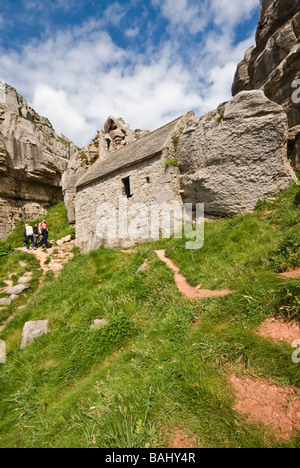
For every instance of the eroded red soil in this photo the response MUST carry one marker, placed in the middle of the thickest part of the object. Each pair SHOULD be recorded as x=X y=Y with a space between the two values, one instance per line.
x=187 y=290
x=262 y=402
x=279 y=330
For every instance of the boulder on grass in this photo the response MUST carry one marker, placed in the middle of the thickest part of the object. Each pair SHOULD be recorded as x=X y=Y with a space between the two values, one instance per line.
x=33 y=330
x=99 y=324
x=5 y=301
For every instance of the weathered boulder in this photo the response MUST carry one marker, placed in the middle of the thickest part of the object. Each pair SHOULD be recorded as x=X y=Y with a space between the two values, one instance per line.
x=274 y=64
x=24 y=279
x=99 y=324
x=13 y=297
x=233 y=157
x=5 y=301
x=33 y=330
x=63 y=240
x=17 y=290
x=32 y=161
x=116 y=135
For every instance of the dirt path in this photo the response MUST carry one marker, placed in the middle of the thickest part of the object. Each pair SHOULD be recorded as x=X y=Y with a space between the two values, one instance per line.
x=184 y=287
x=291 y=274
x=58 y=256
x=8 y=283
x=279 y=330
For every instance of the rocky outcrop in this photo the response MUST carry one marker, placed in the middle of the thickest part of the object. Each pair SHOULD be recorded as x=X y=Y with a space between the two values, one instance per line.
x=274 y=64
x=32 y=161
x=233 y=157
x=116 y=135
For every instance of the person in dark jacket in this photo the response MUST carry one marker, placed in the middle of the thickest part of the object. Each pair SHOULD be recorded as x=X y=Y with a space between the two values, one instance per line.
x=45 y=234
x=35 y=236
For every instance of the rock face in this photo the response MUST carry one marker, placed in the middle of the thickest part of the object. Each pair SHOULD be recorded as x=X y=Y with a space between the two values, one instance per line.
x=274 y=64
x=233 y=157
x=116 y=135
x=33 y=330
x=32 y=161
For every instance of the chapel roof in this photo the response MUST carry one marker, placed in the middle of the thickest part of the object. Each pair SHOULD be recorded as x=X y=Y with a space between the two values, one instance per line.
x=148 y=146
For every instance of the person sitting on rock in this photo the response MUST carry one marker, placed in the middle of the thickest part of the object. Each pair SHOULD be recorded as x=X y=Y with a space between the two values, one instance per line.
x=28 y=236
x=45 y=234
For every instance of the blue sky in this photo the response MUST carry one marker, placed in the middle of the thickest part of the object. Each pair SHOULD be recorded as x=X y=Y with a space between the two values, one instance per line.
x=148 y=61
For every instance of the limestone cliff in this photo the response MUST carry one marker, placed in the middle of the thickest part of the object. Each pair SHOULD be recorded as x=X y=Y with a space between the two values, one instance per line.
x=32 y=161
x=274 y=64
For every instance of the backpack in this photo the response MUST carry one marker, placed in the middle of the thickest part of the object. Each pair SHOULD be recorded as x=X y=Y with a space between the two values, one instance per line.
x=29 y=231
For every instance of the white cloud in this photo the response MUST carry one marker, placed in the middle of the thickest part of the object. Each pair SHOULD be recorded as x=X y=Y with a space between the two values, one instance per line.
x=228 y=13
x=114 y=13
x=51 y=4
x=184 y=13
x=132 y=32
x=55 y=105
x=79 y=76
x=195 y=15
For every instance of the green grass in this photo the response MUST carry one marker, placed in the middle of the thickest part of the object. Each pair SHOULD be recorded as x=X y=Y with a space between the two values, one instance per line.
x=57 y=222
x=163 y=362
x=171 y=162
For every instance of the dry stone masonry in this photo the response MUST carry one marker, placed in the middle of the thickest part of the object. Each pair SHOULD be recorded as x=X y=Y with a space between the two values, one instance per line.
x=138 y=173
x=116 y=135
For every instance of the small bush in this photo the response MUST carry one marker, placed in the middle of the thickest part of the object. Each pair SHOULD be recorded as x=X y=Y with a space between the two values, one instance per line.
x=287 y=301
x=176 y=141
x=219 y=118
x=172 y=162
x=5 y=250
x=287 y=255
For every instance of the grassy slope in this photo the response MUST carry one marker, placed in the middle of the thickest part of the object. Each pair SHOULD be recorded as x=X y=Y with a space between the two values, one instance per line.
x=152 y=370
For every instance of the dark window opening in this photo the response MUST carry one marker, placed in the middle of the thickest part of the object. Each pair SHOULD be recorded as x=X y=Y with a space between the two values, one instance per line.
x=148 y=180
x=126 y=186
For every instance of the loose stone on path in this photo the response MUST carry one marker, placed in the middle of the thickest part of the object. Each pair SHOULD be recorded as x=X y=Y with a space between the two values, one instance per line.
x=5 y=301
x=16 y=290
x=24 y=279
